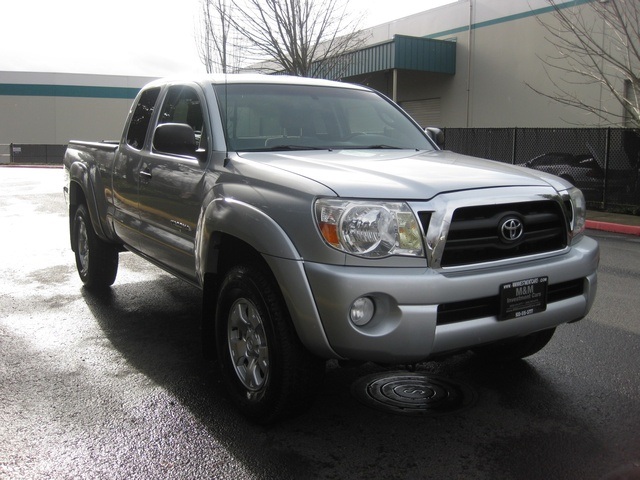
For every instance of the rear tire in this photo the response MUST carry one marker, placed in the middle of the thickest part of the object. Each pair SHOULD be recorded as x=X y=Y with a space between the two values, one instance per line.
x=96 y=260
x=514 y=349
x=267 y=371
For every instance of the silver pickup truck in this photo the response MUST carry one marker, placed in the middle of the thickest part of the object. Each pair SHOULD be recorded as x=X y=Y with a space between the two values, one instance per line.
x=321 y=222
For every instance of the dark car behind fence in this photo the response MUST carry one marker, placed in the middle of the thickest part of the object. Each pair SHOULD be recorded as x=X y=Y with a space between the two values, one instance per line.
x=603 y=162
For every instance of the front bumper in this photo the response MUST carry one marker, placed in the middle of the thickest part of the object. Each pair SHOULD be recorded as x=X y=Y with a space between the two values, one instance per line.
x=405 y=326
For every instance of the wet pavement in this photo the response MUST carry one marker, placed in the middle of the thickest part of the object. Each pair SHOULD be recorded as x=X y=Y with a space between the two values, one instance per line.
x=112 y=385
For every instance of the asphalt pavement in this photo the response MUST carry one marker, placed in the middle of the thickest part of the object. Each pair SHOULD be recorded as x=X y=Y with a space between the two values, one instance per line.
x=111 y=385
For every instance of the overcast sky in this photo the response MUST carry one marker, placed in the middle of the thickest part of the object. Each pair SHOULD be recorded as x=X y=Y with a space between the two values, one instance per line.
x=127 y=37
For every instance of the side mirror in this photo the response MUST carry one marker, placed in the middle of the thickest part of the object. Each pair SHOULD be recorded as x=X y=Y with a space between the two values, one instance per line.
x=436 y=135
x=176 y=139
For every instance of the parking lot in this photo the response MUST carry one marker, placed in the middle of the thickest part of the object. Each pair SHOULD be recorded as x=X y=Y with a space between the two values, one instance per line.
x=112 y=385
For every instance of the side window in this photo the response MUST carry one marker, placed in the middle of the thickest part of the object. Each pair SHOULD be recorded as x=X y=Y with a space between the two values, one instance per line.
x=141 y=117
x=182 y=105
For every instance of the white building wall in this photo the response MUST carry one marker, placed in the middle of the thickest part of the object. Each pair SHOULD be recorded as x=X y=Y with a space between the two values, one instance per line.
x=507 y=43
x=37 y=119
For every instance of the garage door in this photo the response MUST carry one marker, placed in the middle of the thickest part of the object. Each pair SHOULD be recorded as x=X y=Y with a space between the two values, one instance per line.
x=425 y=112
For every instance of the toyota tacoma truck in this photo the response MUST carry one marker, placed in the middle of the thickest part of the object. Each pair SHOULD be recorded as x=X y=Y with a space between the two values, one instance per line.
x=321 y=222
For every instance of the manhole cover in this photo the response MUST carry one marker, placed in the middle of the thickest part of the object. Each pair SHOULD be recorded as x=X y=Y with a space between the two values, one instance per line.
x=409 y=393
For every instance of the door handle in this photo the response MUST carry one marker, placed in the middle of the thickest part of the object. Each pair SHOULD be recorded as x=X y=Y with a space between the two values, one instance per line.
x=145 y=174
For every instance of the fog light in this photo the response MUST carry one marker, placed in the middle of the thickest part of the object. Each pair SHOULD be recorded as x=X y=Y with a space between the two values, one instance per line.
x=362 y=311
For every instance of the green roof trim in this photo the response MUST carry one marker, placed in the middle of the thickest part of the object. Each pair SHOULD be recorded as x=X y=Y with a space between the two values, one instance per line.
x=425 y=54
x=402 y=52
x=76 y=91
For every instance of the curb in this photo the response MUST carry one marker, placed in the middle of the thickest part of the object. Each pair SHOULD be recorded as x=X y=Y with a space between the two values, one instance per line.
x=613 y=227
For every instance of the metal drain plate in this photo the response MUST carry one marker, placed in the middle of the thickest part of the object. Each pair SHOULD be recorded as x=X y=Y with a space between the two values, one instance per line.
x=412 y=393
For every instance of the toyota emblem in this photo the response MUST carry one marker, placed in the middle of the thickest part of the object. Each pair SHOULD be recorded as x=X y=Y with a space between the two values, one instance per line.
x=511 y=229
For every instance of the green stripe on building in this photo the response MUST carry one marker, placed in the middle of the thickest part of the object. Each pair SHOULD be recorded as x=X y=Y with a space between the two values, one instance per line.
x=75 y=91
x=508 y=18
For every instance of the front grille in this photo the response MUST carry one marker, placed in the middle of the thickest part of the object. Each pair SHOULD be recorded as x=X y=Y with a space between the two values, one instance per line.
x=475 y=232
x=490 y=306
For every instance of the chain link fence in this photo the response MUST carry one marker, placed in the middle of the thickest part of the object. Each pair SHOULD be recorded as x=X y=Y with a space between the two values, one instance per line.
x=603 y=162
x=32 y=154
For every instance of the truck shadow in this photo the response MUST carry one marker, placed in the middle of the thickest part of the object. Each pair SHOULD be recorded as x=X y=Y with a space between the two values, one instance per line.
x=519 y=418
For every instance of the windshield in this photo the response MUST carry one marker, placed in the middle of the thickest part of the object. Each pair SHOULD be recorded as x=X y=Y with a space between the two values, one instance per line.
x=269 y=117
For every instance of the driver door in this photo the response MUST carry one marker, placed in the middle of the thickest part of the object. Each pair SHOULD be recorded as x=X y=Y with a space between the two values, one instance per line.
x=171 y=187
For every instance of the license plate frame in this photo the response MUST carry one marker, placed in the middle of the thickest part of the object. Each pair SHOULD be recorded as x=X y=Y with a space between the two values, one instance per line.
x=522 y=298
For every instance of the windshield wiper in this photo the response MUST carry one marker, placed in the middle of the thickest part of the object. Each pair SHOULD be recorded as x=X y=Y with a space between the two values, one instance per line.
x=382 y=146
x=287 y=148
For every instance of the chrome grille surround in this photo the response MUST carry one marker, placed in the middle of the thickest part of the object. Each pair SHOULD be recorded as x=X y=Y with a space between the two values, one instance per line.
x=452 y=218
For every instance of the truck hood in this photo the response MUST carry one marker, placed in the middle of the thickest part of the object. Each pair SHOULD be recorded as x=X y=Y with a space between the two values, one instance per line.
x=405 y=174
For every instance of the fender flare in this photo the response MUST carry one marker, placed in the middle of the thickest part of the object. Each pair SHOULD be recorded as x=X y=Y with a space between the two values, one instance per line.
x=255 y=228
x=80 y=176
x=245 y=222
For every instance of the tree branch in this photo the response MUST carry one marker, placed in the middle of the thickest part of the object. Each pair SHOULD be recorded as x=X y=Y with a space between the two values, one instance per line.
x=597 y=43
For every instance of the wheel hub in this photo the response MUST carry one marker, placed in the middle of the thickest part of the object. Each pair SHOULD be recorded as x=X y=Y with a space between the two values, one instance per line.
x=83 y=247
x=247 y=345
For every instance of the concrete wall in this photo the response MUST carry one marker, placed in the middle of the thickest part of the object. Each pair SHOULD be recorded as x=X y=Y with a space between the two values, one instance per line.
x=5 y=154
x=47 y=108
x=495 y=60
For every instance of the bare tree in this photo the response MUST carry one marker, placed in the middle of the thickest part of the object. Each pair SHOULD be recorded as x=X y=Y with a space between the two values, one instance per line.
x=597 y=43
x=297 y=37
x=217 y=42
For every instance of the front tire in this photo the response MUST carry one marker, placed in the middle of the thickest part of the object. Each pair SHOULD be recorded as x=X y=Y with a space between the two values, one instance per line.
x=517 y=348
x=267 y=371
x=96 y=260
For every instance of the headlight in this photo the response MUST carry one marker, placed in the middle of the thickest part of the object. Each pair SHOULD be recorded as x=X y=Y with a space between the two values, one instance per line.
x=578 y=213
x=369 y=229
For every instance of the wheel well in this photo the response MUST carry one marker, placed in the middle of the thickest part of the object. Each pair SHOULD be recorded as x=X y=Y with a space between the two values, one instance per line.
x=225 y=251
x=76 y=197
